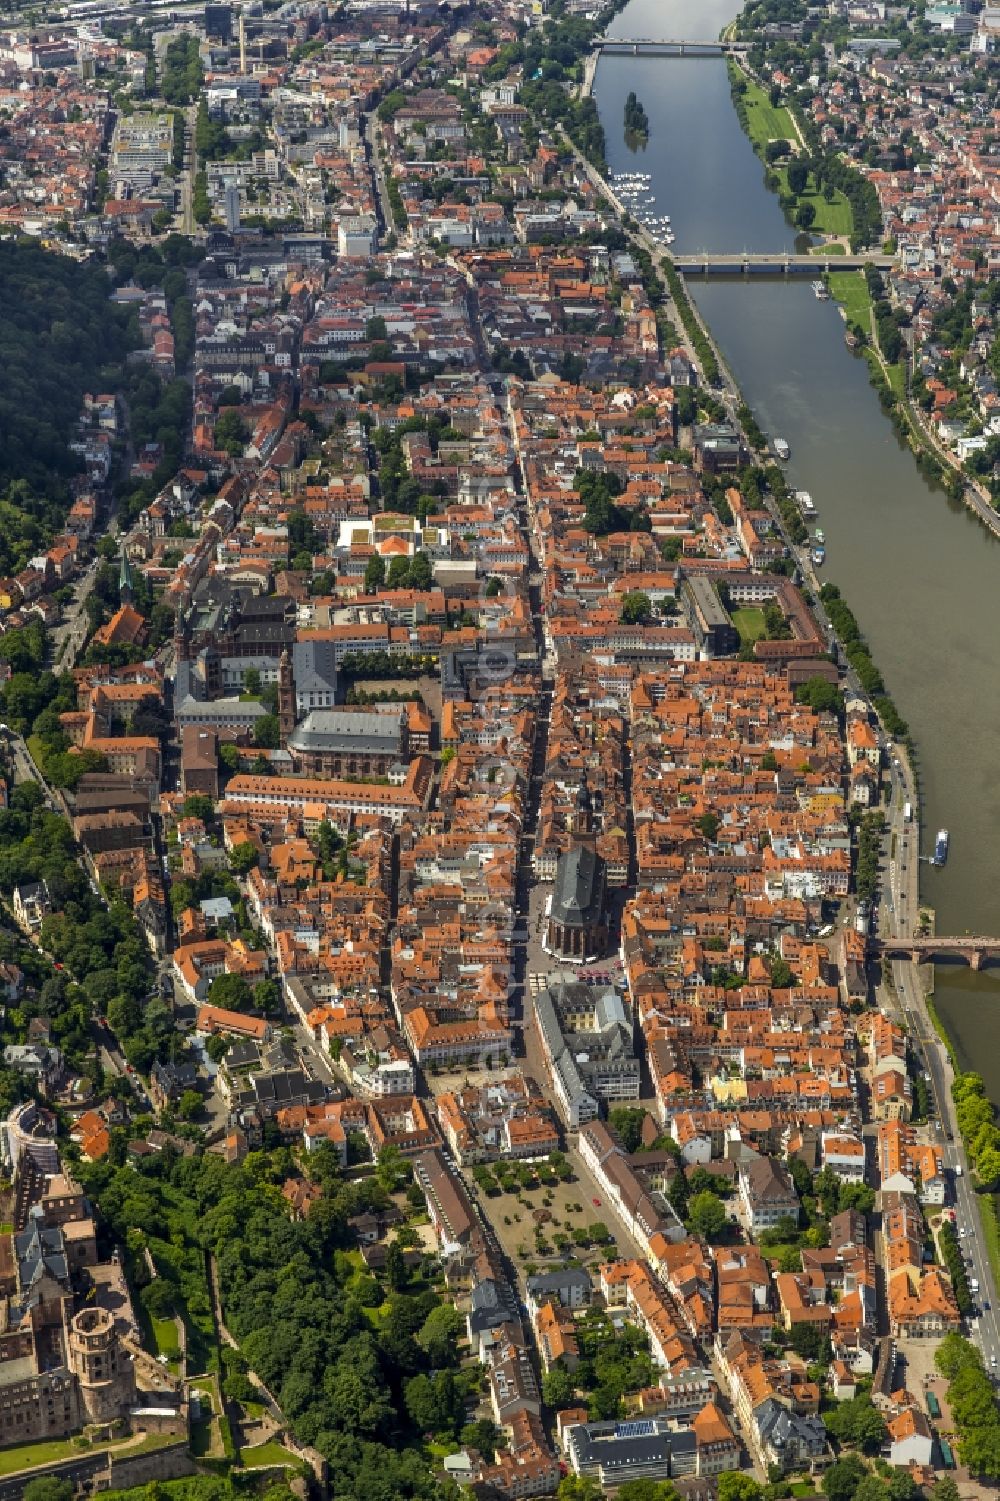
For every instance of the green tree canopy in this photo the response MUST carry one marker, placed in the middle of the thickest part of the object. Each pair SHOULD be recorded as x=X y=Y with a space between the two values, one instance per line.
x=706 y=1214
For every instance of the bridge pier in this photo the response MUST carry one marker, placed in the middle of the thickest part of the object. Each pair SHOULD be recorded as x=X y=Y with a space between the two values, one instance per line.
x=976 y=959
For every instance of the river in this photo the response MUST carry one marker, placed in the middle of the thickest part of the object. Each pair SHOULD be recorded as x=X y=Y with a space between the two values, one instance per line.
x=919 y=571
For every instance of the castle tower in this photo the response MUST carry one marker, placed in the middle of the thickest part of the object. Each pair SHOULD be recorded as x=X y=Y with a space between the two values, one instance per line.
x=102 y=1368
x=286 y=698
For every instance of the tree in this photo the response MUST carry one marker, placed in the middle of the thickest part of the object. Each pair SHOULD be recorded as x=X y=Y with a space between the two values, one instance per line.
x=798 y=177
x=243 y=857
x=626 y=1121
x=440 y=1333
x=819 y=695
x=197 y=805
x=374 y=573
x=843 y=1478
x=955 y=1354
x=580 y=1488
x=781 y=974
x=735 y=1486
x=483 y=1435
x=231 y=433
x=558 y=1388
x=189 y=1105
x=808 y=1340
x=267 y=732
x=805 y=215
x=217 y=1046
x=251 y=682
x=267 y=997
x=647 y=1490
x=157 y=1298
x=393 y=1169
x=230 y=993
x=636 y=607
x=872 y=1488
x=395 y=1266
x=421 y=574
x=857 y=1423
x=48 y=1488
x=708 y=824
x=707 y=1214
x=988 y=1168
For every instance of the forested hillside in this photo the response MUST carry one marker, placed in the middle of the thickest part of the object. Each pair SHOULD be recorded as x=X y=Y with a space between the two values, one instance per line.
x=59 y=337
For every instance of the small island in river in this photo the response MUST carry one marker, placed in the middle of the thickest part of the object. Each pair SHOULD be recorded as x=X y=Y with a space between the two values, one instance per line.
x=636 y=120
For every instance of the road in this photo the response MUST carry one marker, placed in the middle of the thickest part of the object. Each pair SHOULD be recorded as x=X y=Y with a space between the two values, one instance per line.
x=372 y=133
x=900 y=915
x=67 y=638
x=189 y=171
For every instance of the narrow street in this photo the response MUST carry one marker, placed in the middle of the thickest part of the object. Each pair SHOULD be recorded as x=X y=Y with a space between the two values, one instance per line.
x=372 y=130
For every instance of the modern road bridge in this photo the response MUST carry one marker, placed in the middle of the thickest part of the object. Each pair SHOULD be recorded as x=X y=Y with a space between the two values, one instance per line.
x=777 y=264
x=669 y=47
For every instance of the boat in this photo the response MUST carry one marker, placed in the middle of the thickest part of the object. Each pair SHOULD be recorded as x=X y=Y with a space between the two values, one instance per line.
x=940 y=847
x=781 y=448
x=820 y=535
x=821 y=290
x=819 y=556
x=806 y=504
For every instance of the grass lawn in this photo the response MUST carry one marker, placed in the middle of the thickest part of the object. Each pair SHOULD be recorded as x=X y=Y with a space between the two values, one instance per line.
x=377 y=1316
x=773 y=1254
x=764 y=122
x=165 y=1336
x=253 y=1411
x=750 y=623
x=263 y=1455
x=44 y=1452
x=834 y=218
x=851 y=291
x=825 y=250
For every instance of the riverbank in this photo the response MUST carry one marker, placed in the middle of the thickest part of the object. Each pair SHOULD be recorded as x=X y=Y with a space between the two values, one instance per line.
x=827 y=211
x=770 y=128
x=833 y=611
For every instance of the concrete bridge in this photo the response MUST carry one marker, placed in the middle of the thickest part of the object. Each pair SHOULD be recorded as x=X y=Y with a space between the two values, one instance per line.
x=976 y=951
x=668 y=47
x=778 y=264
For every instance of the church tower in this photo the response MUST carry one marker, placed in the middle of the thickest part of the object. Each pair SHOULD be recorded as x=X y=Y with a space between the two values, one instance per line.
x=286 y=698
x=126 y=583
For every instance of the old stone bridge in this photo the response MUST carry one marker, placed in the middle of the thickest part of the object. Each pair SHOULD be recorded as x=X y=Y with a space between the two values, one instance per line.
x=975 y=950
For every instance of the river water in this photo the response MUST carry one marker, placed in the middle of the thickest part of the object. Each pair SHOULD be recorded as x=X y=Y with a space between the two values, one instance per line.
x=919 y=571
